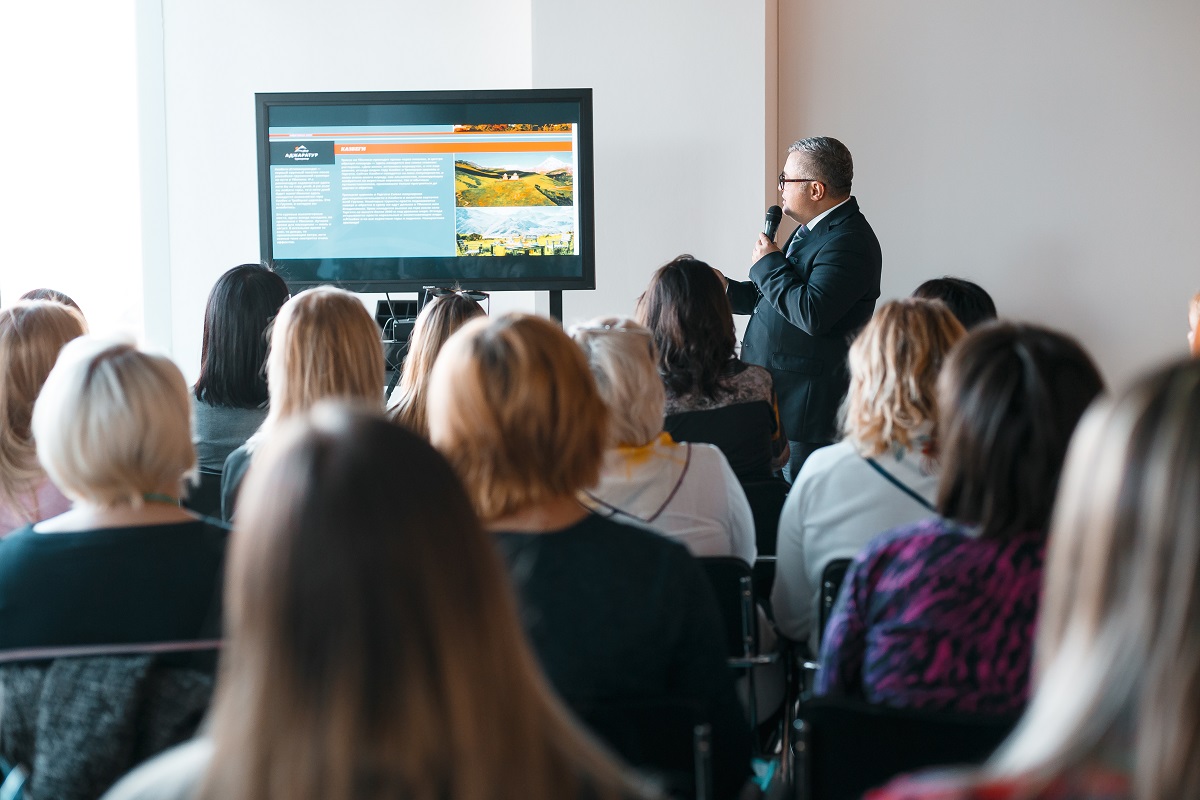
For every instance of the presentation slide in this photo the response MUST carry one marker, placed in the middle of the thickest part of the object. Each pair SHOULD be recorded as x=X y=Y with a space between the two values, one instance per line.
x=423 y=191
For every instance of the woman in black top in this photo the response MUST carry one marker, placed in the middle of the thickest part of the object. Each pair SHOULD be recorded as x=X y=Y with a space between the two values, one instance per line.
x=617 y=614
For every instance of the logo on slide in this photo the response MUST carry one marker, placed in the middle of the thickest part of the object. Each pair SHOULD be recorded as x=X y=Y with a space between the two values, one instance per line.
x=307 y=153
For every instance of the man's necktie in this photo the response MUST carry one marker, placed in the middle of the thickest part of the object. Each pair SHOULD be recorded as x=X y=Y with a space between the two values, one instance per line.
x=801 y=232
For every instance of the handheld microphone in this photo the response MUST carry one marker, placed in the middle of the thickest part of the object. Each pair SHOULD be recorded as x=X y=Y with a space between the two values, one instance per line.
x=771 y=224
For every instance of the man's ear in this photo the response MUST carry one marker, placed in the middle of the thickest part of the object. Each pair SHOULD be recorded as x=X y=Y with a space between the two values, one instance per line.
x=816 y=191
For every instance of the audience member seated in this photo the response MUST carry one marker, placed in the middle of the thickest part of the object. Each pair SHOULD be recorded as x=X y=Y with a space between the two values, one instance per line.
x=711 y=395
x=969 y=301
x=125 y=568
x=440 y=317
x=231 y=393
x=31 y=334
x=616 y=613
x=54 y=296
x=883 y=474
x=324 y=345
x=686 y=491
x=372 y=653
x=1113 y=714
x=940 y=614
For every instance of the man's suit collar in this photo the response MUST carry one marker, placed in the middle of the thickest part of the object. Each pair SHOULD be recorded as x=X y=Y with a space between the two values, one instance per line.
x=835 y=217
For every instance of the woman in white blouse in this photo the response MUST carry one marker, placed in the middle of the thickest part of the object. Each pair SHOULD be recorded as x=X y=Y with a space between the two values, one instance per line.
x=882 y=474
x=686 y=491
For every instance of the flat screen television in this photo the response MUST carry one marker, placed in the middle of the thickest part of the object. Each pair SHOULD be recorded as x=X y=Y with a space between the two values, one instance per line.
x=396 y=191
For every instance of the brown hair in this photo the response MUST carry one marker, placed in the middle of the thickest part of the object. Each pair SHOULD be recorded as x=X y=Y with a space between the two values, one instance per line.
x=441 y=317
x=376 y=654
x=686 y=309
x=31 y=335
x=324 y=345
x=1009 y=399
x=1118 y=647
x=894 y=367
x=515 y=409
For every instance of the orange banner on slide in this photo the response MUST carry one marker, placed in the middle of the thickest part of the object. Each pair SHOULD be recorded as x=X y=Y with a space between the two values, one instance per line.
x=450 y=147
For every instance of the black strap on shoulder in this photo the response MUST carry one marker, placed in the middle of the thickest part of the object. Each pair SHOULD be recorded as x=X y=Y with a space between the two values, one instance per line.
x=614 y=511
x=899 y=484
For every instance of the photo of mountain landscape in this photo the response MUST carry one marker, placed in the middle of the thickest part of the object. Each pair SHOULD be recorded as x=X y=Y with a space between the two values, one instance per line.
x=513 y=179
x=515 y=231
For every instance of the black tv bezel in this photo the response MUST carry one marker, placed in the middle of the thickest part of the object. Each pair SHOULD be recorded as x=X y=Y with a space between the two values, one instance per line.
x=584 y=187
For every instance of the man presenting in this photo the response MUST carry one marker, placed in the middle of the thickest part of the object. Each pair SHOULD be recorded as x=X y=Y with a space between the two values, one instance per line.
x=810 y=299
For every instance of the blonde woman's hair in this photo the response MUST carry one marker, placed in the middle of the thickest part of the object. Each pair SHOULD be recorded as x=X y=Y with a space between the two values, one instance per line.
x=441 y=317
x=515 y=409
x=114 y=423
x=894 y=366
x=377 y=655
x=31 y=335
x=624 y=362
x=1118 y=647
x=324 y=345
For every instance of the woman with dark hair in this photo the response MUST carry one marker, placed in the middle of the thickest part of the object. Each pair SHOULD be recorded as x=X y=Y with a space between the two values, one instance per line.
x=711 y=396
x=54 y=296
x=440 y=317
x=968 y=301
x=1113 y=714
x=372 y=654
x=231 y=393
x=940 y=614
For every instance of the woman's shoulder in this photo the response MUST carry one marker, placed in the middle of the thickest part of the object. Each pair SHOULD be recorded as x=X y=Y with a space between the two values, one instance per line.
x=749 y=378
x=174 y=775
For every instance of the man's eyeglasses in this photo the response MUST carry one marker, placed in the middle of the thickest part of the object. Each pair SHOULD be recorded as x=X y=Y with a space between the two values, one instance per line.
x=783 y=180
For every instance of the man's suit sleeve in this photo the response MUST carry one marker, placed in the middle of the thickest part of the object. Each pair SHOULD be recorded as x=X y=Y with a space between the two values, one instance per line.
x=743 y=296
x=840 y=272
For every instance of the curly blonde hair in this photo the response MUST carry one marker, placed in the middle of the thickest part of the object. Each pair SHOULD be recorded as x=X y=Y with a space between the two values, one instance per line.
x=894 y=365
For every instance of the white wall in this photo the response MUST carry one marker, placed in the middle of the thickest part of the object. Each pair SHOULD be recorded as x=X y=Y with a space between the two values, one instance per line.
x=70 y=217
x=1046 y=150
x=681 y=131
x=219 y=53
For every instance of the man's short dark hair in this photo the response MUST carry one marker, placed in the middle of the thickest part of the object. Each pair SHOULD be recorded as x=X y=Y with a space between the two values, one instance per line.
x=968 y=300
x=1009 y=399
x=829 y=160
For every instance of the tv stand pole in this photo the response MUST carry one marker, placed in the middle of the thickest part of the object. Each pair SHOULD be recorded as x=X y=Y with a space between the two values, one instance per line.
x=556 y=305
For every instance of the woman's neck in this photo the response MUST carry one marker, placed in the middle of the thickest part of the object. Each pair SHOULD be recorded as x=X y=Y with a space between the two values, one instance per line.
x=157 y=508
x=546 y=517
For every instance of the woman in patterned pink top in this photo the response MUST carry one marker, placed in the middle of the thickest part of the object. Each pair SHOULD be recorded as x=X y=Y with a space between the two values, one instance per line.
x=940 y=614
x=1114 y=713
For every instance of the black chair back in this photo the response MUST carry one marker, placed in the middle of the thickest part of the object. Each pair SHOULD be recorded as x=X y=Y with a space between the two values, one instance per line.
x=205 y=497
x=766 y=502
x=664 y=738
x=831 y=583
x=729 y=578
x=845 y=747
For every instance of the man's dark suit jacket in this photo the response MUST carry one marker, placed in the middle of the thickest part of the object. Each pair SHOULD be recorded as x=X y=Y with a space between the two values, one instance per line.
x=806 y=309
